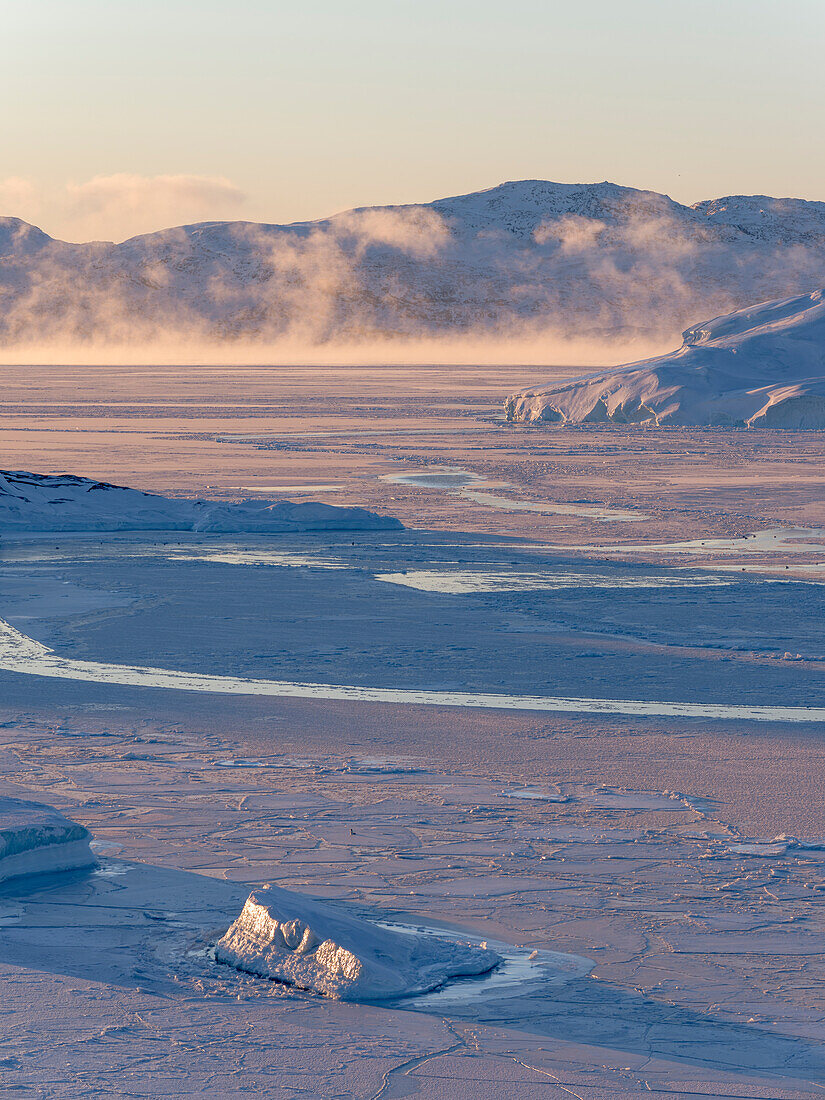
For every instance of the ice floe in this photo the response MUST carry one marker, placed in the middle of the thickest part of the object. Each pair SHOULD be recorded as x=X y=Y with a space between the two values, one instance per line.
x=312 y=945
x=461 y=582
x=779 y=846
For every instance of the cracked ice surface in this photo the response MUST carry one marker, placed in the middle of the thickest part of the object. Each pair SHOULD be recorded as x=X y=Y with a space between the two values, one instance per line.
x=707 y=964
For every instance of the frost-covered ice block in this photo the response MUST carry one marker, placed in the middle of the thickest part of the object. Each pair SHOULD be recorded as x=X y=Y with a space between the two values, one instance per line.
x=758 y=367
x=63 y=502
x=307 y=943
x=37 y=840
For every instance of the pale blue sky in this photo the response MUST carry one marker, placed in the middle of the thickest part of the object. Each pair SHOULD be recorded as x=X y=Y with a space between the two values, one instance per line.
x=312 y=107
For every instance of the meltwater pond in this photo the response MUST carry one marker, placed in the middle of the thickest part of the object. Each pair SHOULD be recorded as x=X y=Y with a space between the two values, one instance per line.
x=437 y=478
x=466 y=484
x=522 y=971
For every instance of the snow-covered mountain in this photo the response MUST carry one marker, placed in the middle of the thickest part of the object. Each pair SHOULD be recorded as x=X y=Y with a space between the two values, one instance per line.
x=530 y=256
x=63 y=502
x=758 y=367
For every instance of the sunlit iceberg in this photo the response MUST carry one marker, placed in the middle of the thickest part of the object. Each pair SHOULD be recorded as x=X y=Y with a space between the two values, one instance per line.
x=312 y=945
x=759 y=367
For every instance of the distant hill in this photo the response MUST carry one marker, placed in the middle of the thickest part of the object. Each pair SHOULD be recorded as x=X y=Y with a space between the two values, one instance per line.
x=759 y=367
x=594 y=260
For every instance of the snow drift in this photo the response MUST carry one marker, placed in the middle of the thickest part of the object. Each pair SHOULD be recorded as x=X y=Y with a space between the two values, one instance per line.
x=312 y=945
x=62 y=502
x=758 y=367
x=35 y=840
x=595 y=261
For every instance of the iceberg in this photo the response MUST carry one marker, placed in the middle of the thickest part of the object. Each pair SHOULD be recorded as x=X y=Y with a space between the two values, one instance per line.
x=312 y=945
x=63 y=502
x=761 y=367
x=37 y=840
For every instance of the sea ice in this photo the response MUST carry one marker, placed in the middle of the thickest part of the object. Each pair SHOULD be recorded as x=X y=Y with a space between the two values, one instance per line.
x=309 y=944
x=23 y=654
x=36 y=840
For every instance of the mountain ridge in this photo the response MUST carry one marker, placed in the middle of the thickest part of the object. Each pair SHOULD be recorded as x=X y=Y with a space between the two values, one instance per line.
x=527 y=255
x=716 y=210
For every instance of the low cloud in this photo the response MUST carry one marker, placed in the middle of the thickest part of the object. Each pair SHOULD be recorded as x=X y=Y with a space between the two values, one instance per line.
x=573 y=233
x=17 y=194
x=415 y=230
x=122 y=205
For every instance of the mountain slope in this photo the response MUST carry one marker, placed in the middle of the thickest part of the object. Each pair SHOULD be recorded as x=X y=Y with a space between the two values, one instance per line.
x=759 y=367
x=529 y=256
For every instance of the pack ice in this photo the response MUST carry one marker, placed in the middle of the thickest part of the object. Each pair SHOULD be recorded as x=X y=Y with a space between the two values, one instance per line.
x=36 y=840
x=758 y=367
x=62 y=502
x=309 y=944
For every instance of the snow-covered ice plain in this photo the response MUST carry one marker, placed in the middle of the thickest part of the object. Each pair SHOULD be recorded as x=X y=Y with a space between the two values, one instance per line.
x=651 y=879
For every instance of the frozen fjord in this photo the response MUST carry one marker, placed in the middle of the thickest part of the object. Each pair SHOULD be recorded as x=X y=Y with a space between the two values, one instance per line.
x=235 y=598
x=403 y=810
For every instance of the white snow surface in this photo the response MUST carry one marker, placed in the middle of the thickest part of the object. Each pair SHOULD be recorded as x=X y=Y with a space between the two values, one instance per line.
x=312 y=945
x=763 y=366
x=62 y=502
x=584 y=259
x=35 y=839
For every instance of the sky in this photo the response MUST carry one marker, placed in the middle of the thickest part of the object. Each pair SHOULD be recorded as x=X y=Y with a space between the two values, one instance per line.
x=125 y=116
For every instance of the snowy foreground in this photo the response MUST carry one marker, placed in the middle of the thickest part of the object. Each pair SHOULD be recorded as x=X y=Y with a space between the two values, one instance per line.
x=37 y=840
x=63 y=502
x=651 y=878
x=759 y=367
x=648 y=939
x=308 y=944
x=279 y=934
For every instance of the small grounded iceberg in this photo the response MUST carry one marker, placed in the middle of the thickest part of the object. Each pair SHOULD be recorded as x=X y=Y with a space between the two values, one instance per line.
x=37 y=840
x=312 y=945
x=759 y=367
x=63 y=502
